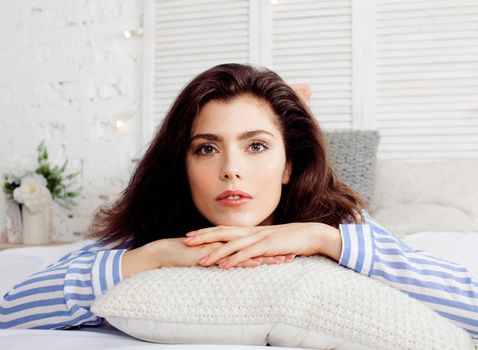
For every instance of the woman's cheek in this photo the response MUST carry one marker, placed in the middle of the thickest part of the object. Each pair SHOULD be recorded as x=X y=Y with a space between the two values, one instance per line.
x=272 y=170
x=199 y=177
x=271 y=181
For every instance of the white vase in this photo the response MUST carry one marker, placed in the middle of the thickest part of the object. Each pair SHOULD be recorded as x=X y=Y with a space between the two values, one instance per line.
x=13 y=221
x=37 y=225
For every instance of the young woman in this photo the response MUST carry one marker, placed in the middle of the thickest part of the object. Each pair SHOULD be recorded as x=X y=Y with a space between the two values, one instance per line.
x=237 y=175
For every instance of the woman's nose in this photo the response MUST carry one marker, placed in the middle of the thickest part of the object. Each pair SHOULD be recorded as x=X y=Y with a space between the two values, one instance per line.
x=231 y=174
x=230 y=168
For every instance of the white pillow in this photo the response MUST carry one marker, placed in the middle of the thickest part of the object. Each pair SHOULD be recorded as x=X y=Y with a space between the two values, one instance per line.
x=311 y=302
x=404 y=219
x=458 y=247
x=448 y=182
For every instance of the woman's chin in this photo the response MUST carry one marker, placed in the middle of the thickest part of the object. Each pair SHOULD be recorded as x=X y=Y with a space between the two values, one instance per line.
x=237 y=222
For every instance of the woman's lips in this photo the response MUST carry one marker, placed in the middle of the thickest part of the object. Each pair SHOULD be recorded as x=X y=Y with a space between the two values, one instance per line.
x=234 y=198
x=233 y=201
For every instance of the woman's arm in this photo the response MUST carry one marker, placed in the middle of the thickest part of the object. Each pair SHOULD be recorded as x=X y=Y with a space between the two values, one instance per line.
x=446 y=287
x=61 y=295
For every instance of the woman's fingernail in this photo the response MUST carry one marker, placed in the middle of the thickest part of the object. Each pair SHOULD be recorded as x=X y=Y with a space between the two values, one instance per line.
x=192 y=233
x=185 y=239
x=203 y=260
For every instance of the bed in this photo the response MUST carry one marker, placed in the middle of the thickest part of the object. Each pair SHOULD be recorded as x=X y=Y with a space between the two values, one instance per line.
x=16 y=264
x=444 y=201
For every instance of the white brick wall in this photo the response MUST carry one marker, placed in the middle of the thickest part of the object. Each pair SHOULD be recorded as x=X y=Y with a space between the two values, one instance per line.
x=65 y=71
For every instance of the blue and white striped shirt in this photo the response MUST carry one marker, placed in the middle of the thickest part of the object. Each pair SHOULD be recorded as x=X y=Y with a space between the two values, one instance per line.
x=60 y=296
x=446 y=287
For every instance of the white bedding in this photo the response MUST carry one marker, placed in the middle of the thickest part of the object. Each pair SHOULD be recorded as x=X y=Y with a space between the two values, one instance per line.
x=459 y=247
x=17 y=264
x=99 y=339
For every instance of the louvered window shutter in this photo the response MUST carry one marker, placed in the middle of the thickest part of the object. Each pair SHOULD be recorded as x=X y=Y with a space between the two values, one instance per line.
x=186 y=38
x=311 y=43
x=427 y=78
x=406 y=68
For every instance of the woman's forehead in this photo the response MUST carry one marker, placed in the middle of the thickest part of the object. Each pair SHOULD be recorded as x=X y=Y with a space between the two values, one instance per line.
x=240 y=136
x=236 y=116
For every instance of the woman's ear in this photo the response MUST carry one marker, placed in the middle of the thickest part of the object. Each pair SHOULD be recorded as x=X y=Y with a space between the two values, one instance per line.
x=287 y=172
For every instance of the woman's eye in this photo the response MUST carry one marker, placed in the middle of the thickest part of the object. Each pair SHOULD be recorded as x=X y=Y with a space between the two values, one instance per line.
x=205 y=150
x=258 y=147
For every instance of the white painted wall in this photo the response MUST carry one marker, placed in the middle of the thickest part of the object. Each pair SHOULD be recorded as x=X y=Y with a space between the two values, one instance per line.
x=65 y=71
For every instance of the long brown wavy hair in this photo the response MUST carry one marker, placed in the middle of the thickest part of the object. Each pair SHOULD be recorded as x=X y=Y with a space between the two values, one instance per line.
x=157 y=202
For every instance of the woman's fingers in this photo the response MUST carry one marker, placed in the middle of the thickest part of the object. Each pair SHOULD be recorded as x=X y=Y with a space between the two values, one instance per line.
x=272 y=260
x=268 y=260
x=239 y=244
x=250 y=263
x=289 y=257
x=254 y=262
x=230 y=248
x=254 y=250
x=215 y=234
x=209 y=238
x=246 y=248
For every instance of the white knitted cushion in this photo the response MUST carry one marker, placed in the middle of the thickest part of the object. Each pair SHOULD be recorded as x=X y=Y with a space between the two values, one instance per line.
x=311 y=302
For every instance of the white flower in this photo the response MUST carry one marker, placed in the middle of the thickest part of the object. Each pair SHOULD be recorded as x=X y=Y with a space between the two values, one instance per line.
x=33 y=192
x=20 y=168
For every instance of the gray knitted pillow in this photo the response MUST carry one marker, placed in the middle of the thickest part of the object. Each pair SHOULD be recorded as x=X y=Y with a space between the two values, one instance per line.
x=354 y=154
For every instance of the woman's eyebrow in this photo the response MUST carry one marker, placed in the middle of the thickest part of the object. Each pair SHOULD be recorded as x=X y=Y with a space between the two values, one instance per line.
x=244 y=135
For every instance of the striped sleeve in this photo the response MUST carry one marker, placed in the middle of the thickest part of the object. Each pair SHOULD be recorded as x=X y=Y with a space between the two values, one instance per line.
x=60 y=296
x=444 y=286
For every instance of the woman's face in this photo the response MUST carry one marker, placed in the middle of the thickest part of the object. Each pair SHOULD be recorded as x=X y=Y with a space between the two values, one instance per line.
x=237 y=145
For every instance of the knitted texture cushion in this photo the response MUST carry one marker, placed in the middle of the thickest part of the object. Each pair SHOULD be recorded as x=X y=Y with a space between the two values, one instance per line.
x=354 y=155
x=311 y=302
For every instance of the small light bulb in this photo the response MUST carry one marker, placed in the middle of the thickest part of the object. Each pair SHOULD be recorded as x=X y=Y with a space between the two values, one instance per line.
x=274 y=2
x=128 y=34
x=119 y=124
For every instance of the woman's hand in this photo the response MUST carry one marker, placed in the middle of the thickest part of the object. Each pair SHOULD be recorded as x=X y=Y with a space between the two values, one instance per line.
x=163 y=253
x=174 y=252
x=245 y=243
x=171 y=252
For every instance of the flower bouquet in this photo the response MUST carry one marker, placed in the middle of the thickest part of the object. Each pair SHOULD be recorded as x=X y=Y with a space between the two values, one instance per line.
x=30 y=193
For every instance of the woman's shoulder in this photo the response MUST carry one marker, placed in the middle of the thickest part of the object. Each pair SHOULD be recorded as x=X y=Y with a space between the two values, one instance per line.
x=96 y=245
x=91 y=246
x=83 y=248
x=362 y=215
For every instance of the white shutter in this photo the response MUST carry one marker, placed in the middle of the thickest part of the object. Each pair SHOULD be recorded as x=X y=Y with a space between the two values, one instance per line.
x=427 y=78
x=188 y=37
x=406 y=68
x=311 y=43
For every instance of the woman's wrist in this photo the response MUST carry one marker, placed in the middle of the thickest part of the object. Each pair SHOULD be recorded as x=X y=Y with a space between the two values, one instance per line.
x=141 y=259
x=331 y=243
